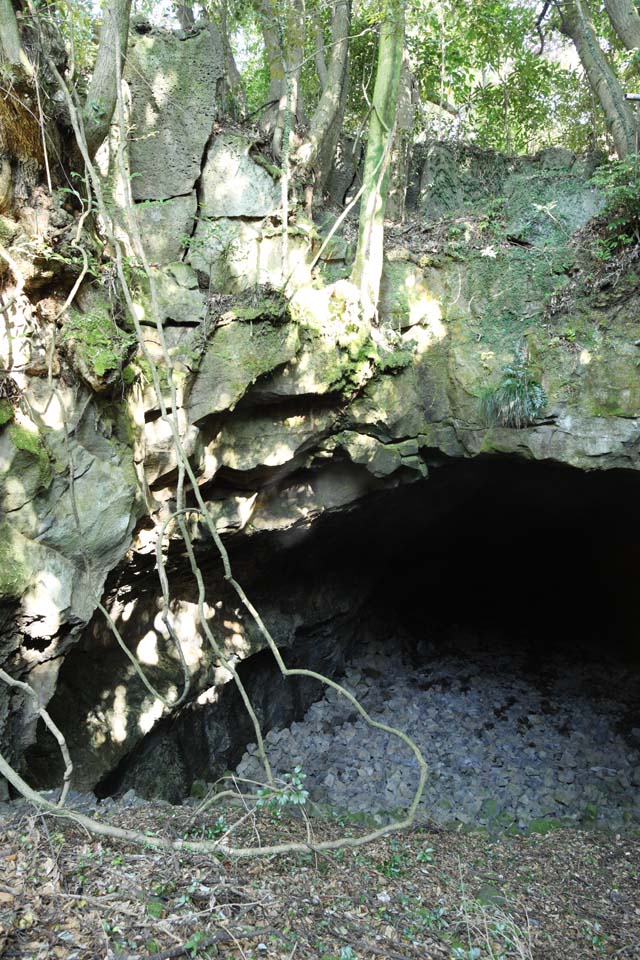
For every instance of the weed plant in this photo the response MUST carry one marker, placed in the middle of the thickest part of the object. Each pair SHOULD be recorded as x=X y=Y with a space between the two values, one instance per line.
x=619 y=181
x=518 y=400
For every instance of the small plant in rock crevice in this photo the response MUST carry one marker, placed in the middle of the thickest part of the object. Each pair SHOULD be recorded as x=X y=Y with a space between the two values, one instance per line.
x=518 y=400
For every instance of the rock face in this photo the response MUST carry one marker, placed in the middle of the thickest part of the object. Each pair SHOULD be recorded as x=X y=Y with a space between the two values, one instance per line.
x=288 y=410
x=71 y=500
x=241 y=353
x=232 y=185
x=165 y=226
x=173 y=84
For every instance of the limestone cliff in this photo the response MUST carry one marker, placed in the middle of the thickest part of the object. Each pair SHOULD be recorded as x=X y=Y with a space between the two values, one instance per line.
x=292 y=407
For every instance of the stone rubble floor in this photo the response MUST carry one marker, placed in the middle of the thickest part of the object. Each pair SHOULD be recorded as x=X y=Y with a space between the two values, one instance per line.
x=510 y=741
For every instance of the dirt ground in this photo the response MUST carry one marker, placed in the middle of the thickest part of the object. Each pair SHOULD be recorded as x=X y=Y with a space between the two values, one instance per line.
x=429 y=893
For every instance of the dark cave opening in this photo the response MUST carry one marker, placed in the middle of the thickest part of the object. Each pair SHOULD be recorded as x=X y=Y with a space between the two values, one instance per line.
x=522 y=572
x=546 y=553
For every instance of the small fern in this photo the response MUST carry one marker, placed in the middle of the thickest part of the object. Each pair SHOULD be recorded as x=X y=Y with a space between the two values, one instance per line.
x=518 y=400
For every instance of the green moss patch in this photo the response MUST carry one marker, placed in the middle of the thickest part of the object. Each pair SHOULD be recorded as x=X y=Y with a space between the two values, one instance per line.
x=14 y=573
x=544 y=825
x=97 y=342
x=261 y=303
x=30 y=443
x=6 y=412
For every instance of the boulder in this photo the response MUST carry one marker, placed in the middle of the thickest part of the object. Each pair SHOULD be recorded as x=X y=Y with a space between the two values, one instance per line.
x=173 y=88
x=237 y=354
x=233 y=185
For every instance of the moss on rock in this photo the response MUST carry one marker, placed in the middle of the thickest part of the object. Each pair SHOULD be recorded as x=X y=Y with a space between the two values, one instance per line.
x=25 y=466
x=6 y=412
x=14 y=571
x=97 y=345
x=235 y=357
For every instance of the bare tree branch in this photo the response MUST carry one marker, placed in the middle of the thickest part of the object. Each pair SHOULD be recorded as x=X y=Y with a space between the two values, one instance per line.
x=50 y=725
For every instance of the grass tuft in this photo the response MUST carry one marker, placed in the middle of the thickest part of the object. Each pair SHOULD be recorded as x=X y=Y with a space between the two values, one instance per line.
x=518 y=400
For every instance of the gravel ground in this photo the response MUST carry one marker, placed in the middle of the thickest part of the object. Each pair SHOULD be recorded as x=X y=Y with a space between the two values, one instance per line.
x=509 y=741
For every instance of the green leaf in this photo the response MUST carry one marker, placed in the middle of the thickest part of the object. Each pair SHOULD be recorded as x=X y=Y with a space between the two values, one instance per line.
x=155 y=908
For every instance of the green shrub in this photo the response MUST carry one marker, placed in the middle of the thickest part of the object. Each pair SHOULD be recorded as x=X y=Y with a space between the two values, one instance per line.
x=619 y=181
x=292 y=792
x=518 y=400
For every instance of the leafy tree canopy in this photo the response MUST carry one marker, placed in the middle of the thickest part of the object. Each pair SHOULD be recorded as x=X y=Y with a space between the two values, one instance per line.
x=490 y=72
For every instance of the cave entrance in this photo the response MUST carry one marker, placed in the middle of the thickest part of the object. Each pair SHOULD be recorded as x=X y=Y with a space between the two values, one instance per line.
x=500 y=631
x=491 y=612
x=548 y=554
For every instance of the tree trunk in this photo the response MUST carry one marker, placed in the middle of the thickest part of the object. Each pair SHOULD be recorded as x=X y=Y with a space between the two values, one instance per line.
x=101 y=95
x=577 y=24
x=21 y=150
x=284 y=42
x=237 y=97
x=275 y=56
x=625 y=20
x=317 y=152
x=321 y=65
x=185 y=15
x=10 y=42
x=403 y=141
x=367 y=268
x=328 y=147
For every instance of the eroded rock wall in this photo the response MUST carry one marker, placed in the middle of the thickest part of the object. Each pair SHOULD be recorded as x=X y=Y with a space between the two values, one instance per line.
x=291 y=408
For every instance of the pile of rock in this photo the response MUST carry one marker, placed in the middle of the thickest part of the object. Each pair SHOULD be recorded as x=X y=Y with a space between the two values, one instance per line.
x=504 y=745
